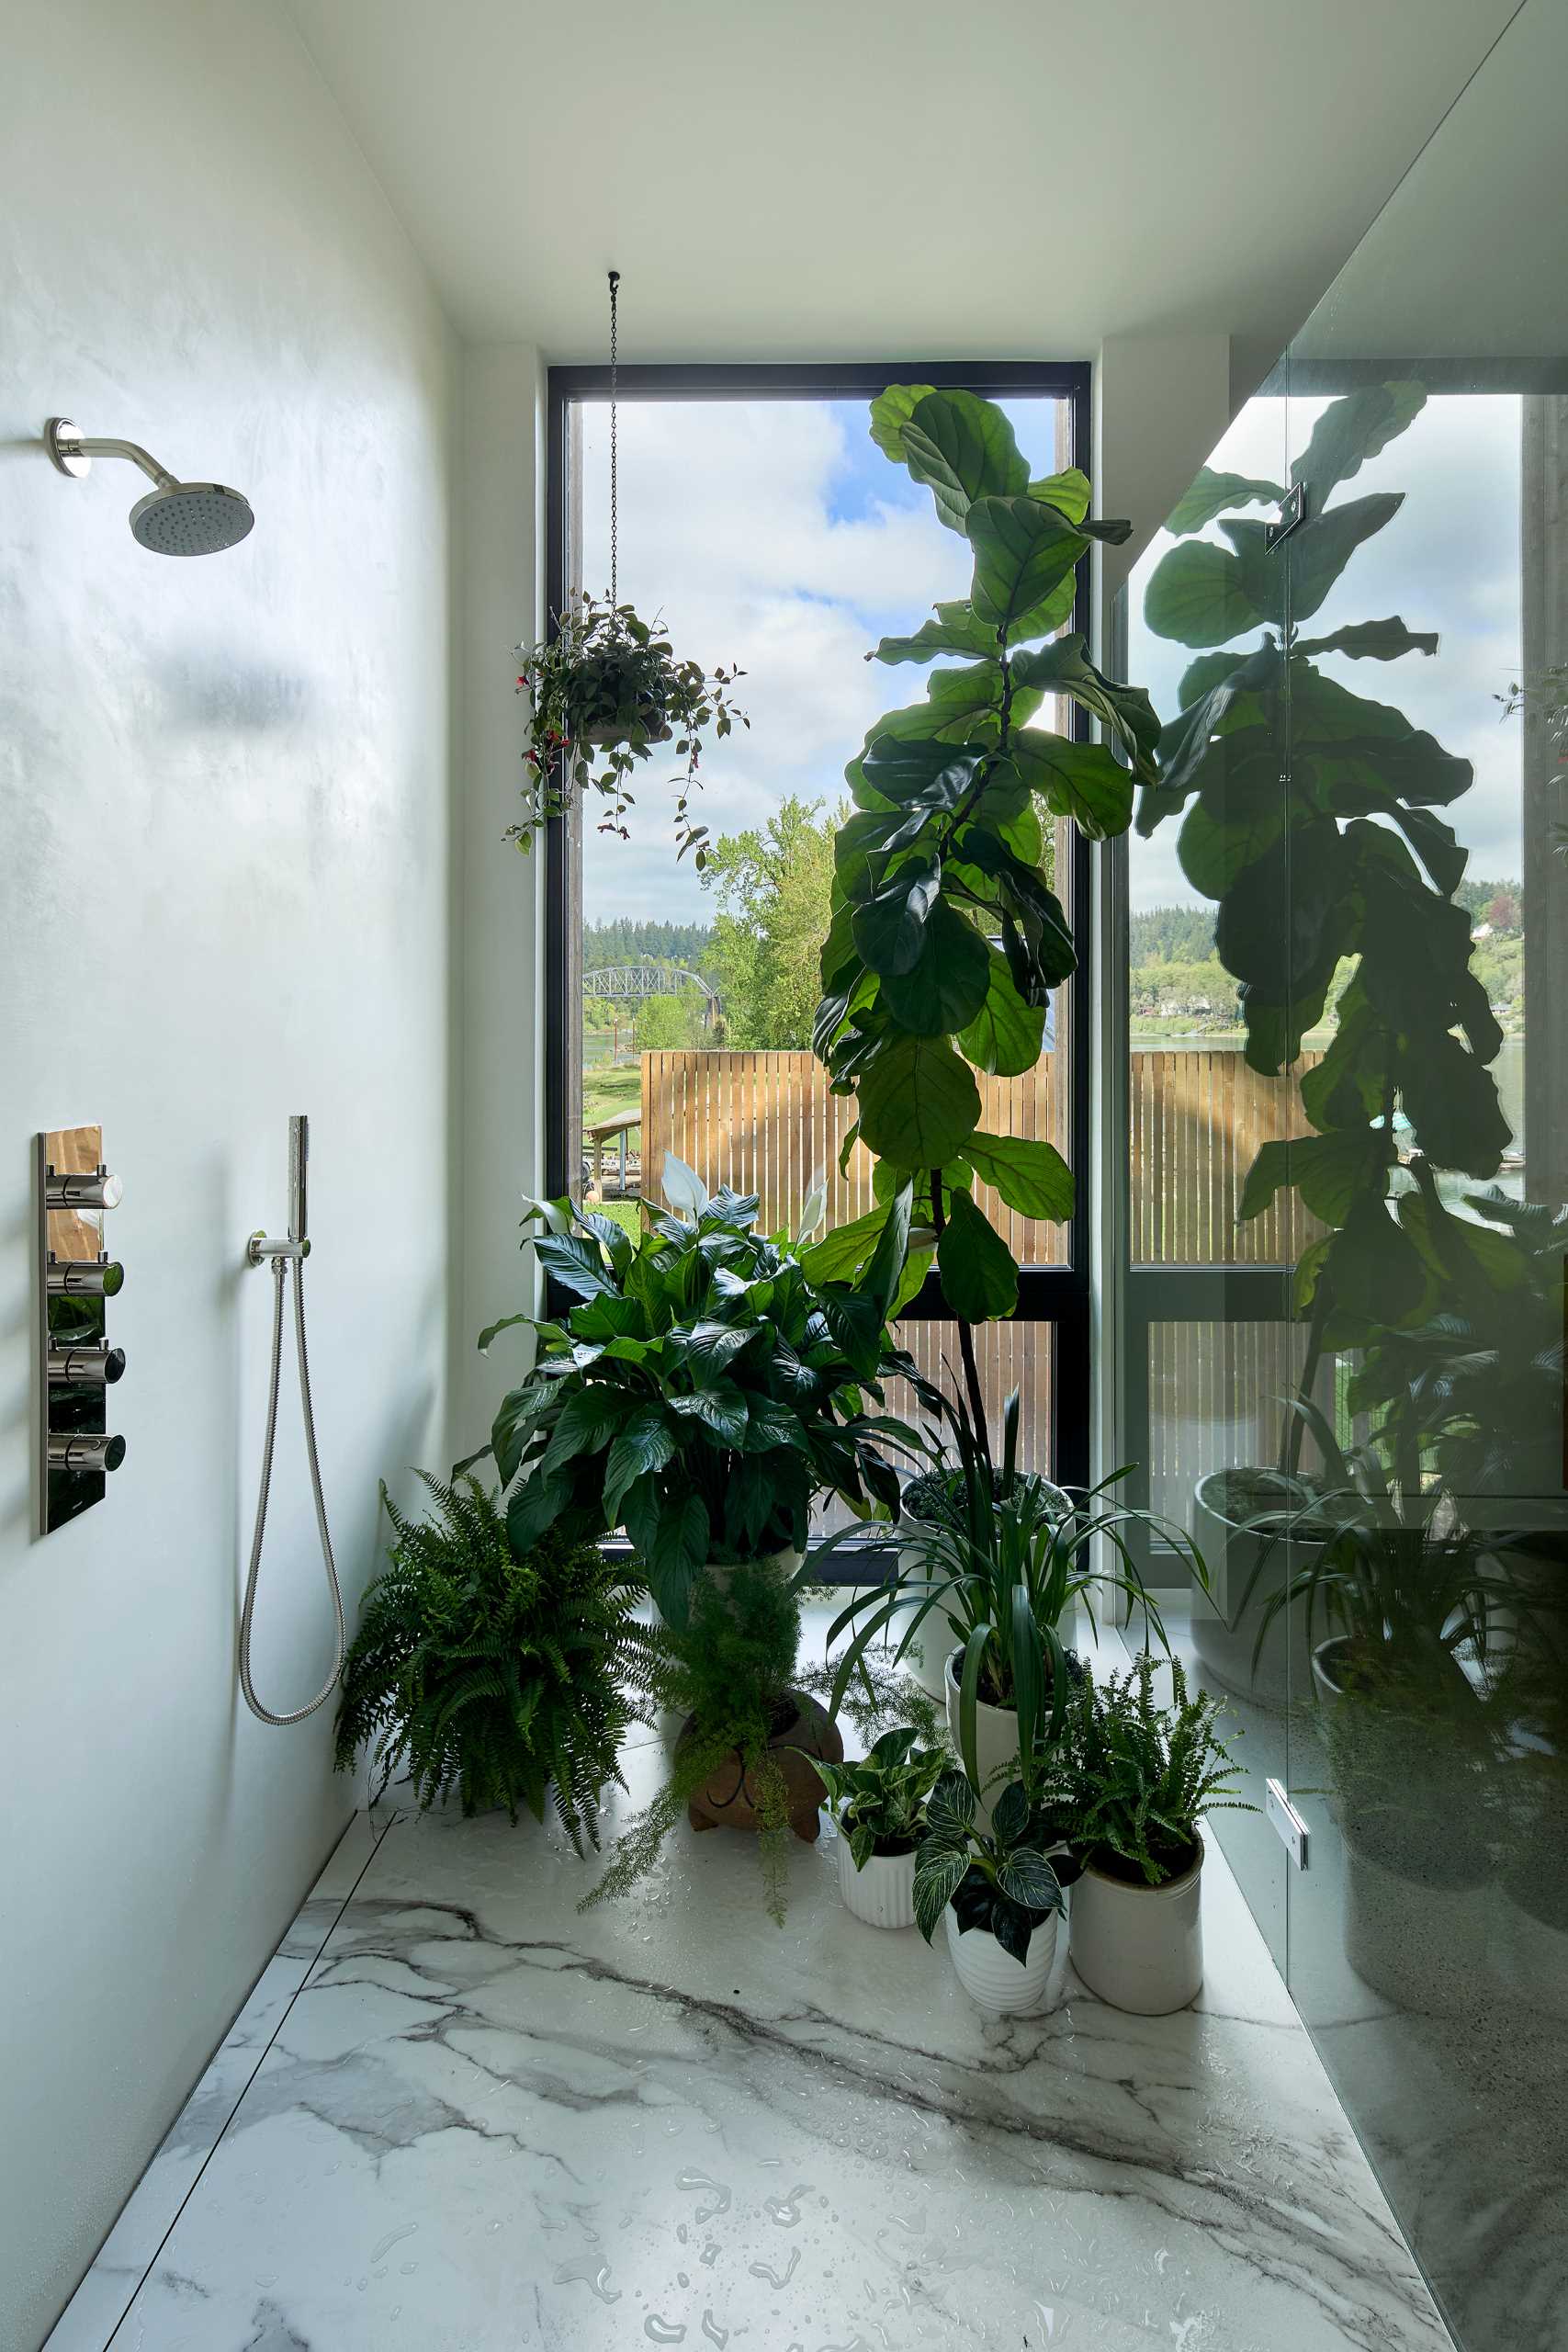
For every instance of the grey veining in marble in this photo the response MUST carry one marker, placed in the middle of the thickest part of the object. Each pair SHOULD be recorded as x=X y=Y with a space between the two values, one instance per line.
x=488 y=2122
x=94 y=2310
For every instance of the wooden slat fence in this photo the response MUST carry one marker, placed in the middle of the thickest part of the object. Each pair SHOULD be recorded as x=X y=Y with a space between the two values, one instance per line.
x=765 y=1122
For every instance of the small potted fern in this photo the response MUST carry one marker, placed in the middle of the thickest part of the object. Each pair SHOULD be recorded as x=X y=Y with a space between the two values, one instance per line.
x=1132 y=1779
x=489 y=1674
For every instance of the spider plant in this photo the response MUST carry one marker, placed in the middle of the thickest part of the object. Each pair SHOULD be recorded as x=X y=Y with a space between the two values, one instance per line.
x=1027 y=1553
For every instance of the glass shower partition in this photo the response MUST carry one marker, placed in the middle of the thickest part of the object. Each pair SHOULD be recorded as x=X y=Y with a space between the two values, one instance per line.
x=1345 y=1351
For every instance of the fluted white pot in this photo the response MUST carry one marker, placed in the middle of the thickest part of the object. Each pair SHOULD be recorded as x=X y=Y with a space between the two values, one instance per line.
x=1140 y=1948
x=882 y=1894
x=992 y=1978
x=996 y=1741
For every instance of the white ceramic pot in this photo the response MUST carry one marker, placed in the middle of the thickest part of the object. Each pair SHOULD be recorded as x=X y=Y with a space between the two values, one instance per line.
x=934 y=1636
x=883 y=1894
x=996 y=1741
x=992 y=1978
x=1140 y=1948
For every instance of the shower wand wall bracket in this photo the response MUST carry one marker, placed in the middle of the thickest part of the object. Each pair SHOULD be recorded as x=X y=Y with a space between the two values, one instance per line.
x=77 y=1365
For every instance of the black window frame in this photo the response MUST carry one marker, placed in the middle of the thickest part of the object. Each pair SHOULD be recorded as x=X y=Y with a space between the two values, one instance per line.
x=1059 y=1296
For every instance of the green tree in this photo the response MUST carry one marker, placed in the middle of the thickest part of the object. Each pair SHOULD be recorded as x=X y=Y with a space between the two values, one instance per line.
x=776 y=889
x=666 y=1022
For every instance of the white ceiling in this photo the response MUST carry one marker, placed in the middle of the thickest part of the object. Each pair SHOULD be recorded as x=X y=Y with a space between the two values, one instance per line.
x=892 y=178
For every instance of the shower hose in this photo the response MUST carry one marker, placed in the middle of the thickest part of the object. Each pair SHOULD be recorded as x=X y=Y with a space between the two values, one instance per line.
x=279 y=1266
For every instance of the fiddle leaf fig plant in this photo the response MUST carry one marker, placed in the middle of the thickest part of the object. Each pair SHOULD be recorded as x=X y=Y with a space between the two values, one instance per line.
x=946 y=937
x=1335 y=883
x=603 y=691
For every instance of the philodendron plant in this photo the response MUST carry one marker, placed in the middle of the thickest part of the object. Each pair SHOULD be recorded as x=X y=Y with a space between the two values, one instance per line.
x=879 y=1803
x=946 y=937
x=1340 y=859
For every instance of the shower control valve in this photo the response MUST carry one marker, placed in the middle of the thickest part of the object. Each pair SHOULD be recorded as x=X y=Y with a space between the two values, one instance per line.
x=95 y=1189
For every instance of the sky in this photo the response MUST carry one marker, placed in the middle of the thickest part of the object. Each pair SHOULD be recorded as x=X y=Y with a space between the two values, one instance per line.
x=775 y=534
x=1448 y=562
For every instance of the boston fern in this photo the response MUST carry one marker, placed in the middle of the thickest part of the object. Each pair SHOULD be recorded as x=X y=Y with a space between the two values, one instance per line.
x=946 y=938
x=1131 y=1779
x=702 y=1392
x=997 y=1878
x=492 y=1674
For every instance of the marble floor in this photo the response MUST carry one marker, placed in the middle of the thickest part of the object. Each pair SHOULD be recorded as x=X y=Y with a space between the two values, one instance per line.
x=460 y=2115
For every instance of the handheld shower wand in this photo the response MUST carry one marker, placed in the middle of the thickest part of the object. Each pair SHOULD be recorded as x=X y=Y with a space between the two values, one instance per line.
x=260 y=1250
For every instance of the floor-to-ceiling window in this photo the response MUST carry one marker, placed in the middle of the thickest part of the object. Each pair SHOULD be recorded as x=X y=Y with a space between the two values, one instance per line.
x=760 y=519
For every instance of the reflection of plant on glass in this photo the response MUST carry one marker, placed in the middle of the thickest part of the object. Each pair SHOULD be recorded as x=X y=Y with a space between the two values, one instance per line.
x=947 y=938
x=603 y=691
x=1345 y=858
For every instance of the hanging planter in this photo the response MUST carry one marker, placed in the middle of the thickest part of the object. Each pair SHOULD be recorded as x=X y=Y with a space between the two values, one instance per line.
x=603 y=687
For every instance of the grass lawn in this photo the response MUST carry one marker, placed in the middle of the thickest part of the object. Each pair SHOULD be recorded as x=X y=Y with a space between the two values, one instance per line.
x=607 y=1092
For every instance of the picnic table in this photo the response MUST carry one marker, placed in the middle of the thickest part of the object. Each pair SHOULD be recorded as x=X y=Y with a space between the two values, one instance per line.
x=603 y=1131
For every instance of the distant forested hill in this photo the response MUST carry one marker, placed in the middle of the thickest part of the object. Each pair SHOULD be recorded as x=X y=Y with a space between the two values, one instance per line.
x=622 y=940
x=1172 y=935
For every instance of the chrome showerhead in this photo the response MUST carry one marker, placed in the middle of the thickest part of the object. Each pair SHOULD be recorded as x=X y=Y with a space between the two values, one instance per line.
x=191 y=518
x=174 y=518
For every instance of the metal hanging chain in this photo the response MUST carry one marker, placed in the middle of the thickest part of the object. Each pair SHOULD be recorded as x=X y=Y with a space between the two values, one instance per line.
x=615 y=360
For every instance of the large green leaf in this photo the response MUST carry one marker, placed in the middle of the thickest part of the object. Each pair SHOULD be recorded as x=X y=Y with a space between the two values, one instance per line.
x=1314 y=556
x=1031 y=1176
x=1230 y=826
x=1027 y=1878
x=537 y=1505
x=721 y=1411
x=889 y=932
x=1329 y=1172
x=643 y=1446
x=1006 y=1035
x=955 y=630
x=1069 y=493
x=946 y=988
x=1023 y=551
x=844 y=1249
x=886 y=1272
x=589 y=1420
x=1211 y=494
x=979 y=1274
x=679 y=1548
x=1353 y=429
x=1197 y=597
x=1083 y=781
x=1063 y=668
x=919 y=1102
x=962 y=448
x=891 y=412
x=940 y=1871
x=905 y=772
x=1372 y=641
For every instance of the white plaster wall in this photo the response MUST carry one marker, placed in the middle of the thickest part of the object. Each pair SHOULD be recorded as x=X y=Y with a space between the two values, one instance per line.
x=224 y=883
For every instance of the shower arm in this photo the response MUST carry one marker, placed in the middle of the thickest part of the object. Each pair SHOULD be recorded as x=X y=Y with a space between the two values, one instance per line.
x=73 y=453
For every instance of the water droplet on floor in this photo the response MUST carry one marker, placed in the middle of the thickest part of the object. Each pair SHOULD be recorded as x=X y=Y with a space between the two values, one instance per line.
x=712 y=2330
x=778 y=2278
x=785 y=2211
x=385 y=2245
x=594 y=2276
x=663 y=2331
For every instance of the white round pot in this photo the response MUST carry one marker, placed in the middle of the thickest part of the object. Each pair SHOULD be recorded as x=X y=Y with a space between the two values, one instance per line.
x=882 y=1894
x=996 y=1742
x=992 y=1978
x=1140 y=1948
